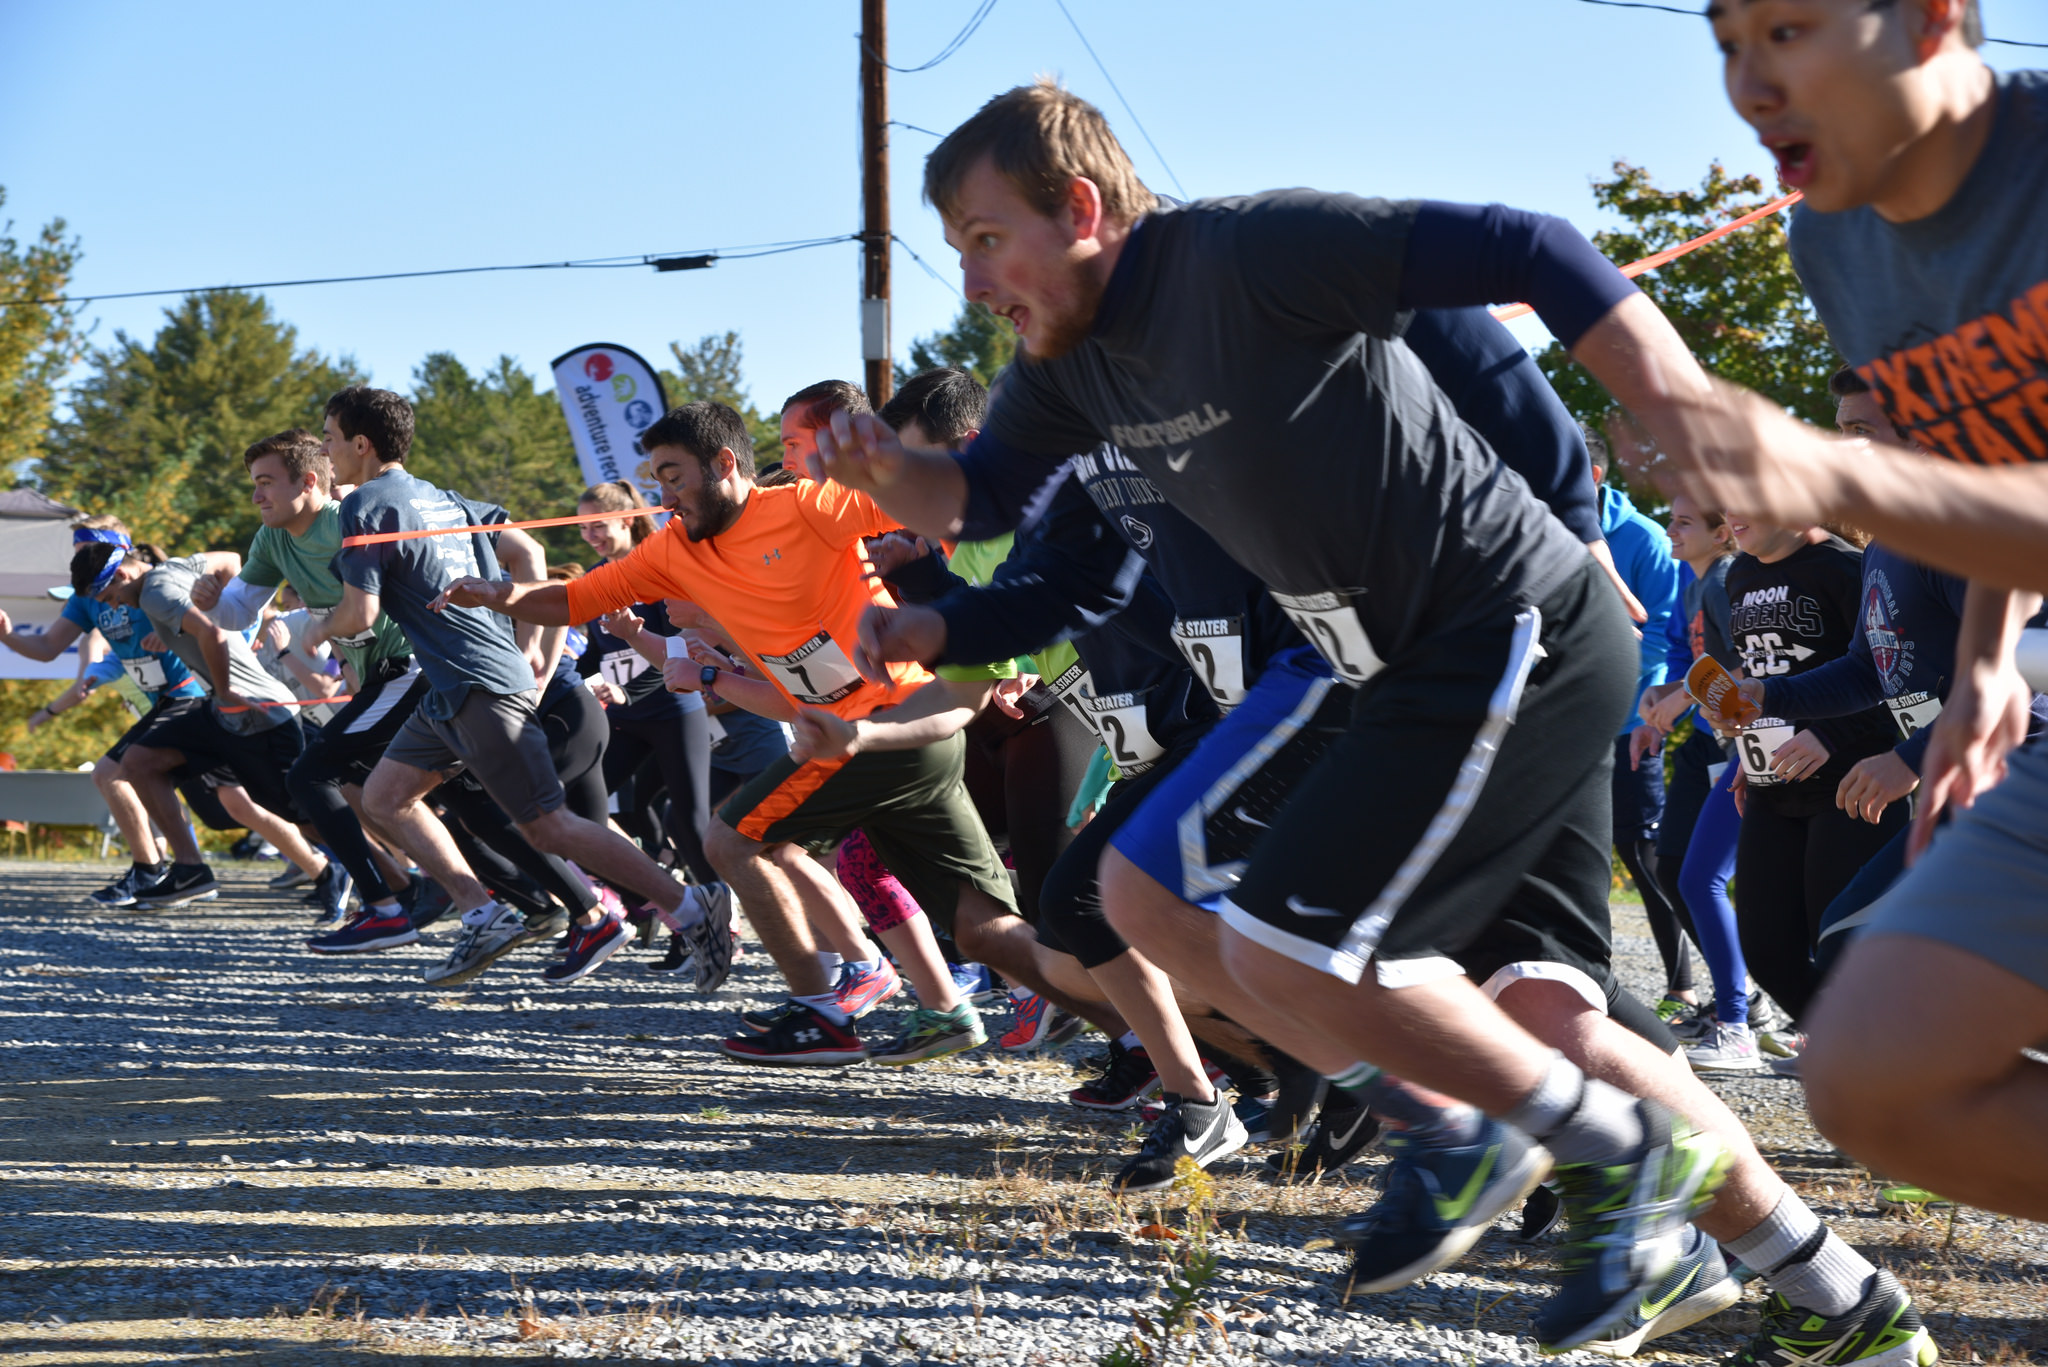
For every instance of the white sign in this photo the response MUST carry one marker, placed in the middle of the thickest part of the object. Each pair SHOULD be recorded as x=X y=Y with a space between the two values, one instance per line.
x=610 y=395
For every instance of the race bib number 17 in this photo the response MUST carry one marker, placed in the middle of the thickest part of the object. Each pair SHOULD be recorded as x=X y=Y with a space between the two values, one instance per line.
x=619 y=666
x=815 y=672
x=1331 y=624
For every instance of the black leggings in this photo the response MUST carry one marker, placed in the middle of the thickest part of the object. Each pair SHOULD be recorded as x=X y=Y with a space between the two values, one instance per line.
x=1666 y=926
x=1023 y=777
x=679 y=751
x=1787 y=870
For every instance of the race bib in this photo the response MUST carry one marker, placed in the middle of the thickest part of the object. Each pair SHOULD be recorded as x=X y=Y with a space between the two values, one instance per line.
x=146 y=672
x=1914 y=711
x=1119 y=718
x=816 y=671
x=619 y=666
x=1073 y=685
x=1214 y=647
x=1756 y=747
x=1332 y=627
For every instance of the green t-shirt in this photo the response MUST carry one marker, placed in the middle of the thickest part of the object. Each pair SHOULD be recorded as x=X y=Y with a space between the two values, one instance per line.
x=976 y=562
x=307 y=564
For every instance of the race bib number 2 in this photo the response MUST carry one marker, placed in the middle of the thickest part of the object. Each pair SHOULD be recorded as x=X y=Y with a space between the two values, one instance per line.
x=1331 y=624
x=1214 y=648
x=1757 y=746
x=1119 y=718
x=815 y=672
x=146 y=673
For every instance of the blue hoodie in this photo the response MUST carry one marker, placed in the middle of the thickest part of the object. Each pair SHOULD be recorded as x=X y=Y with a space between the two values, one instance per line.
x=1642 y=553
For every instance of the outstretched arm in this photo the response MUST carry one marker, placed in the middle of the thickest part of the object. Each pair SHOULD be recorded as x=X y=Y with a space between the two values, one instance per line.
x=925 y=490
x=44 y=646
x=545 y=603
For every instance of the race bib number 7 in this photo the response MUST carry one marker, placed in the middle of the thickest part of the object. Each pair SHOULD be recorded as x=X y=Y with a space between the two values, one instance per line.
x=815 y=672
x=1331 y=624
x=1758 y=745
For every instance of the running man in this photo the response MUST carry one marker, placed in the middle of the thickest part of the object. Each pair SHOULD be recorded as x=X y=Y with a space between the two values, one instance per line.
x=479 y=713
x=1490 y=656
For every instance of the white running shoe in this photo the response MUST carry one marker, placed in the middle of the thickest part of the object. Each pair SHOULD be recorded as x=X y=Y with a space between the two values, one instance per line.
x=1728 y=1048
x=711 y=942
x=488 y=933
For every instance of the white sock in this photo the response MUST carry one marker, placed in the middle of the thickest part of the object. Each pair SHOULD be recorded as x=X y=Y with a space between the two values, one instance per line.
x=1129 y=1040
x=1579 y=1119
x=826 y=1004
x=689 y=913
x=829 y=961
x=1021 y=994
x=1803 y=1260
x=862 y=965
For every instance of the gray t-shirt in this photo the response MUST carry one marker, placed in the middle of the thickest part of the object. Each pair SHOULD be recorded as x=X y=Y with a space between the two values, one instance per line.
x=1946 y=317
x=166 y=598
x=458 y=648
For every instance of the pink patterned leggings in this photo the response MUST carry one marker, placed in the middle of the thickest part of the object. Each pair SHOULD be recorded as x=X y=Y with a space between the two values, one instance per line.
x=885 y=902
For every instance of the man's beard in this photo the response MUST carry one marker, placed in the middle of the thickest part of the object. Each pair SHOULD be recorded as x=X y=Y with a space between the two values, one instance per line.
x=1059 y=334
x=717 y=511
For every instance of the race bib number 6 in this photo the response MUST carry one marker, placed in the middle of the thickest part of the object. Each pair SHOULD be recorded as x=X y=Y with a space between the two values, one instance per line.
x=1758 y=745
x=1215 y=651
x=1914 y=711
x=815 y=672
x=1331 y=624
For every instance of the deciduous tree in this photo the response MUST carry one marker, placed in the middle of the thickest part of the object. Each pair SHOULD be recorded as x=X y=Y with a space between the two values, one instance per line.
x=38 y=342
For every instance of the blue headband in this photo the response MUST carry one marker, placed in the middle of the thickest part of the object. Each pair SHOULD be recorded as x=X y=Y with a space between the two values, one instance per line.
x=106 y=574
x=87 y=536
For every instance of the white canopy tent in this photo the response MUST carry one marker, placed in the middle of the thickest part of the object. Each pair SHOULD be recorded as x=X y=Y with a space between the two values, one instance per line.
x=35 y=556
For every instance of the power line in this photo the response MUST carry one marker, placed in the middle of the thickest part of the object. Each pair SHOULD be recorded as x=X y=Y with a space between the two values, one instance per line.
x=926 y=265
x=930 y=133
x=1120 y=98
x=682 y=261
x=1700 y=14
x=959 y=41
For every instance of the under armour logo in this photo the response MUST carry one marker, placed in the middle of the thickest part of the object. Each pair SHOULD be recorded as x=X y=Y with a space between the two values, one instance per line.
x=771 y=556
x=809 y=1036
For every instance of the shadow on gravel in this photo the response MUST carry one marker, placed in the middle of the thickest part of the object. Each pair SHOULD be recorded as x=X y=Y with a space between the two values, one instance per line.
x=111 y=1349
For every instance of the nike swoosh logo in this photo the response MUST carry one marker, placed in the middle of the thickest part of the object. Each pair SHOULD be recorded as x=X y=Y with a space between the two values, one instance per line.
x=1180 y=462
x=1299 y=908
x=1650 y=1309
x=1248 y=819
x=1339 y=1141
x=1458 y=1206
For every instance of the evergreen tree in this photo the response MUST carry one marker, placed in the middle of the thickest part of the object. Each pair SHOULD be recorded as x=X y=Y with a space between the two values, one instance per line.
x=38 y=342
x=712 y=370
x=978 y=342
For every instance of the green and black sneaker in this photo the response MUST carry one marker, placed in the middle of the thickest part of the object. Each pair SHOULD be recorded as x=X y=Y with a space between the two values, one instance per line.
x=1628 y=1227
x=1881 y=1330
x=933 y=1034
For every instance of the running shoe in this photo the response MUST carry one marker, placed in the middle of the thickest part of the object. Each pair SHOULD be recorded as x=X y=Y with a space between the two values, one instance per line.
x=252 y=846
x=1765 y=1015
x=1192 y=1129
x=589 y=946
x=678 y=954
x=424 y=902
x=975 y=983
x=1785 y=1067
x=1698 y=1285
x=1782 y=1043
x=1038 y=1024
x=368 y=930
x=121 y=892
x=1127 y=1080
x=933 y=1034
x=1343 y=1129
x=1541 y=1212
x=1671 y=1010
x=1295 y=1104
x=801 y=1038
x=764 y=1019
x=1438 y=1199
x=862 y=988
x=291 y=876
x=712 y=941
x=488 y=934
x=181 y=883
x=1731 y=1048
x=1627 y=1226
x=326 y=921
x=1906 y=1197
x=1881 y=1330
x=333 y=887
x=1149 y=1113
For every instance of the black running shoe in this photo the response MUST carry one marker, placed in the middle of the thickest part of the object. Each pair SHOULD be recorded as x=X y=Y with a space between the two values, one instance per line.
x=678 y=955
x=121 y=892
x=1697 y=1286
x=1540 y=1213
x=1128 y=1077
x=1190 y=1129
x=1439 y=1199
x=1295 y=1102
x=1881 y=1330
x=332 y=887
x=425 y=902
x=801 y=1039
x=763 y=1019
x=589 y=947
x=181 y=883
x=1344 y=1129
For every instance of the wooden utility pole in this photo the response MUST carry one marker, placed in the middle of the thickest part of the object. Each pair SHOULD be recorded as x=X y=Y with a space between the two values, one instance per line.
x=874 y=189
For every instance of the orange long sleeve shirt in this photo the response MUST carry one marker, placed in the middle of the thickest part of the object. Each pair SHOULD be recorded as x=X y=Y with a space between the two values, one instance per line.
x=785 y=580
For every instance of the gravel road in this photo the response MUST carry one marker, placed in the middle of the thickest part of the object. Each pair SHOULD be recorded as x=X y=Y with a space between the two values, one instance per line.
x=215 y=1145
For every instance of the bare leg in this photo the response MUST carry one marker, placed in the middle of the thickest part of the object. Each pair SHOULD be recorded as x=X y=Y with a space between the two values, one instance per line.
x=395 y=875
x=774 y=906
x=1909 y=1016
x=147 y=769
x=392 y=798
x=1144 y=997
x=610 y=856
x=827 y=904
x=917 y=954
x=992 y=934
x=1561 y=1018
x=271 y=827
x=127 y=811
x=1065 y=973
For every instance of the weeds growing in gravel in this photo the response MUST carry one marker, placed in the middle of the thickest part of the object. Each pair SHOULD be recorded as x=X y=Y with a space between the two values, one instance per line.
x=1193 y=1266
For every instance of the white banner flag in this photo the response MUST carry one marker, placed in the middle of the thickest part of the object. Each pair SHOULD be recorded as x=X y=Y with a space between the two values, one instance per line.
x=610 y=395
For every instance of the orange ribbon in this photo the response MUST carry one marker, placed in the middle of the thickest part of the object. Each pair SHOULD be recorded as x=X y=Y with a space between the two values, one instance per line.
x=378 y=538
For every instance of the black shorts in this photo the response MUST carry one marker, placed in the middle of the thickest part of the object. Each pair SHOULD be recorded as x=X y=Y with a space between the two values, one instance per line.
x=1472 y=786
x=258 y=762
x=353 y=740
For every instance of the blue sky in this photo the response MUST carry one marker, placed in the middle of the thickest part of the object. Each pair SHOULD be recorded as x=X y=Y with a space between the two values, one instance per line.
x=216 y=143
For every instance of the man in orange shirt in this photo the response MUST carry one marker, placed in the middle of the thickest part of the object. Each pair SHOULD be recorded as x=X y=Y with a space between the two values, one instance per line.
x=781 y=570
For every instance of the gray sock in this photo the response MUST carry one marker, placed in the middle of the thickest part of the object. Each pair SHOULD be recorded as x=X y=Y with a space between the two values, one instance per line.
x=1579 y=1119
x=1803 y=1260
